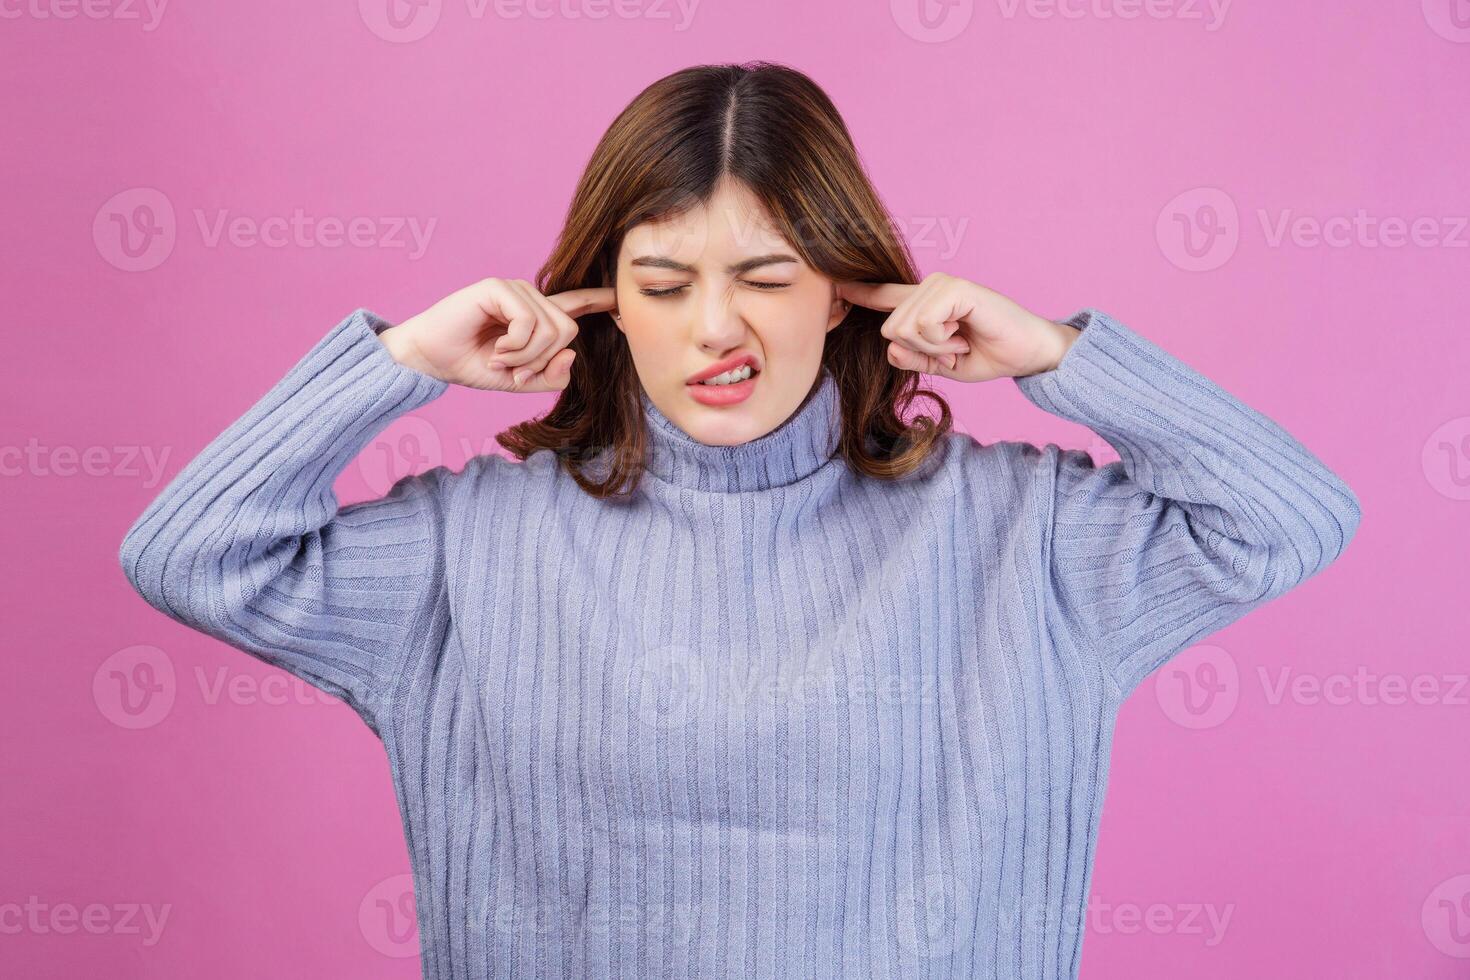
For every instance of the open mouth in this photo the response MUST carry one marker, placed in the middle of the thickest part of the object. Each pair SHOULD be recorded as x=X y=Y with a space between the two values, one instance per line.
x=727 y=388
x=743 y=373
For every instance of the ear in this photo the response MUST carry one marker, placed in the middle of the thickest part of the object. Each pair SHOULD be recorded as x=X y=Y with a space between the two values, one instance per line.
x=609 y=282
x=838 y=312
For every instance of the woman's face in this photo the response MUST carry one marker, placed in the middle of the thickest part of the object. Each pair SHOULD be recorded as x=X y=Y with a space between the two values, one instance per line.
x=716 y=287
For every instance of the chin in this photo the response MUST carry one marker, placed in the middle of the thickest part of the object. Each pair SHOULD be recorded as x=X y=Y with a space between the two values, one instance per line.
x=731 y=427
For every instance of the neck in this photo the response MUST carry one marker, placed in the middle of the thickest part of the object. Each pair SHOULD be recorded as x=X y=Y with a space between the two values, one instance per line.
x=793 y=450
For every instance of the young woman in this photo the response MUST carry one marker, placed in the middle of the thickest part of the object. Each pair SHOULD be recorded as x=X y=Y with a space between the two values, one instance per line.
x=740 y=669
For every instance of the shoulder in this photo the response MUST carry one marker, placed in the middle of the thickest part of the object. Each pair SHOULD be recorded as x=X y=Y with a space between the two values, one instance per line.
x=479 y=475
x=493 y=472
x=1005 y=459
x=960 y=467
x=1013 y=465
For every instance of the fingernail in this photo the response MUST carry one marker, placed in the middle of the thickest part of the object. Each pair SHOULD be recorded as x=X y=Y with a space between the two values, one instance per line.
x=497 y=365
x=521 y=376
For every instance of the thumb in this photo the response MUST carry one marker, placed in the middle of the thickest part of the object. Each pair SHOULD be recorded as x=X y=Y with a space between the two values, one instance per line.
x=905 y=359
x=558 y=372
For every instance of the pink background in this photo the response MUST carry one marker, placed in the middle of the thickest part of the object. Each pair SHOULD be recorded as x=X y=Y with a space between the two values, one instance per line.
x=1266 y=834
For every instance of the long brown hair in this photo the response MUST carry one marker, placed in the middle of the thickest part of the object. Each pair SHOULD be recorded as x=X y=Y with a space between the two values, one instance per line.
x=771 y=128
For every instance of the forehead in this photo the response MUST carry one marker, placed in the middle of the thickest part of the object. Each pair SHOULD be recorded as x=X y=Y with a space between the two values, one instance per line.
x=731 y=225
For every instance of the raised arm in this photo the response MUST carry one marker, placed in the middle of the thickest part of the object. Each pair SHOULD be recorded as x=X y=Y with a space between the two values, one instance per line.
x=248 y=545
x=1212 y=509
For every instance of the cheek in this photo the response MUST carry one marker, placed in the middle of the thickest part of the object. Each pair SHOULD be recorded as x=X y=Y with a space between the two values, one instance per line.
x=649 y=330
x=787 y=320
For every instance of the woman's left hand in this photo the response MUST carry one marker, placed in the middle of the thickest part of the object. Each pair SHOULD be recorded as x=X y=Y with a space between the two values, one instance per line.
x=958 y=329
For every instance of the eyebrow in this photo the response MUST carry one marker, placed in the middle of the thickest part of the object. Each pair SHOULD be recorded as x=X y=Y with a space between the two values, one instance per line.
x=664 y=262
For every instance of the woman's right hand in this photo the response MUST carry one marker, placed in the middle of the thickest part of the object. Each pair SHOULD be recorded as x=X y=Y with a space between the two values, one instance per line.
x=497 y=335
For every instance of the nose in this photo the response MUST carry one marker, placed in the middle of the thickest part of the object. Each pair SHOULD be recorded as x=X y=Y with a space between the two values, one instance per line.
x=718 y=326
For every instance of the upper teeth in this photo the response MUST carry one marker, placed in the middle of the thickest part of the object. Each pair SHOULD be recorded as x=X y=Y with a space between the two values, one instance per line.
x=729 y=377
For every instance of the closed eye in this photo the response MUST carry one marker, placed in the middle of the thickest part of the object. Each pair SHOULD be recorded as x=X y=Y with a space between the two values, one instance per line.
x=672 y=290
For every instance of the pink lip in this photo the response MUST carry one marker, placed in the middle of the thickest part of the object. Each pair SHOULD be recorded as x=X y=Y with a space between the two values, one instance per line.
x=717 y=396
x=728 y=364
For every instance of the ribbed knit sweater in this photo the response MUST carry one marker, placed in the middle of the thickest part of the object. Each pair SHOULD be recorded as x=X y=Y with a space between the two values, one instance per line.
x=769 y=718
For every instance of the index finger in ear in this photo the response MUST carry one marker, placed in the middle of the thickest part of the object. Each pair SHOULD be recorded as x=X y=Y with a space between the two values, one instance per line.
x=580 y=302
x=875 y=296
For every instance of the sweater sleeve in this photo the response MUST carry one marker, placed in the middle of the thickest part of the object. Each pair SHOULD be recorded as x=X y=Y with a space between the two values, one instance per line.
x=1211 y=510
x=247 y=543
